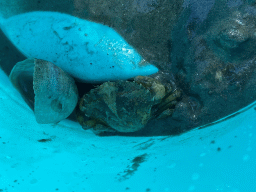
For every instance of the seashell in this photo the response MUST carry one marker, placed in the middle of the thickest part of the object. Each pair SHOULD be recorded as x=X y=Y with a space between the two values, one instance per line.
x=88 y=51
x=123 y=106
x=55 y=91
x=21 y=77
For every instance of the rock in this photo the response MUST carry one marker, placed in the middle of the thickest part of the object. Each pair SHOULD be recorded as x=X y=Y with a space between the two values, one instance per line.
x=122 y=105
x=214 y=62
x=126 y=106
x=153 y=85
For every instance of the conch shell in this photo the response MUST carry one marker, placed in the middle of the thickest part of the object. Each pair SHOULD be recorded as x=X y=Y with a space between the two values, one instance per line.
x=56 y=94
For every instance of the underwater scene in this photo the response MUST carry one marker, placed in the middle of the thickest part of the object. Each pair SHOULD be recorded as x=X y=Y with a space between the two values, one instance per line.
x=127 y=95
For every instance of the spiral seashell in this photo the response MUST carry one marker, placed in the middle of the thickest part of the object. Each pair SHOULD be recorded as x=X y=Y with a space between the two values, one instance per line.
x=56 y=94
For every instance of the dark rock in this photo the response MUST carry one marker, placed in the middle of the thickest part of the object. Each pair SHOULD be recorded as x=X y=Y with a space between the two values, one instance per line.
x=122 y=105
x=214 y=61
